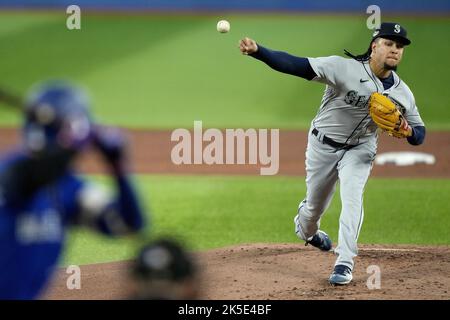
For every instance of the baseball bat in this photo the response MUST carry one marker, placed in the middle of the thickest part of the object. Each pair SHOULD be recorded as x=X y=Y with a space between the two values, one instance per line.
x=10 y=99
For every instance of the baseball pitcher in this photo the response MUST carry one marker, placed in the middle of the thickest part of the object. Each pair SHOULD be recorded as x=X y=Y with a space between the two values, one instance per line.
x=40 y=195
x=362 y=93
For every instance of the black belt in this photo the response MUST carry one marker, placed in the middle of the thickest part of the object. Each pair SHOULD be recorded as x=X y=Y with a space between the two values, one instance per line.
x=333 y=143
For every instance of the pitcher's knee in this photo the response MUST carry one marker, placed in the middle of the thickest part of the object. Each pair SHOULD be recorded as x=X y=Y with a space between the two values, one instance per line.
x=310 y=211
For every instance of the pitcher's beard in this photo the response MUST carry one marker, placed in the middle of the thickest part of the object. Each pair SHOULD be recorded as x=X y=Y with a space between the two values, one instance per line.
x=389 y=67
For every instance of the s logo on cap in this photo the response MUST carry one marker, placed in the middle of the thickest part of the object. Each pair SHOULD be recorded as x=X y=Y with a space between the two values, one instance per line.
x=397 y=28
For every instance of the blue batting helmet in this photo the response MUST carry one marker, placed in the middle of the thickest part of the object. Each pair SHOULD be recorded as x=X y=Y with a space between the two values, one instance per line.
x=57 y=114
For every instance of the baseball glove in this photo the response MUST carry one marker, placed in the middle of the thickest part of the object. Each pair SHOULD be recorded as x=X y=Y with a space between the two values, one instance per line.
x=386 y=115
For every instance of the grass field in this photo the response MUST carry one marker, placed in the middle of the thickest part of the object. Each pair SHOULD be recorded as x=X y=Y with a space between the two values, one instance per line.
x=143 y=70
x=211 y=212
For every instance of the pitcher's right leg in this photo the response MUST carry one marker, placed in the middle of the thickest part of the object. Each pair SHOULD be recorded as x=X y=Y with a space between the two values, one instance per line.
x=321 y=178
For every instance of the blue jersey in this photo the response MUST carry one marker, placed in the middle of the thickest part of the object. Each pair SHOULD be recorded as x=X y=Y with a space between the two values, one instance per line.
x=32 y=229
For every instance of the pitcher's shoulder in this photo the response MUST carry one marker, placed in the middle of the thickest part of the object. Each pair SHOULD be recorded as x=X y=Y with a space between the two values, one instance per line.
x=331 y=59
x=405 y=89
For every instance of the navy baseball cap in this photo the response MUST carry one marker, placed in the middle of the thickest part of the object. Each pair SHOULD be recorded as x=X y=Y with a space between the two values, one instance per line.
x=393 y=31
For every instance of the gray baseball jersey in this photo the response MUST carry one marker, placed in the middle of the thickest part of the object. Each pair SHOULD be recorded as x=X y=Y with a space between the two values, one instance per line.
x=343 y=115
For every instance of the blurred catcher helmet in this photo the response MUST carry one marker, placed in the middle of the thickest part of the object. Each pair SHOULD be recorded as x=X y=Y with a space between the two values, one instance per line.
x=57 y=115
x=165 y=260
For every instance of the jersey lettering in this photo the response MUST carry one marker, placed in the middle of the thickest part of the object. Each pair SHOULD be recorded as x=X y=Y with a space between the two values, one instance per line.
x=356 y=100
x=31 y=228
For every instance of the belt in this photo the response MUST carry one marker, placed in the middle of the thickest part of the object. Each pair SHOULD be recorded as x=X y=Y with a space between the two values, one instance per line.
x=333 y=143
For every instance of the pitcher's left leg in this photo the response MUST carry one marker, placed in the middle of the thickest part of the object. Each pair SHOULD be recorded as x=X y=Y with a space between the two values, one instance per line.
x=354 y=170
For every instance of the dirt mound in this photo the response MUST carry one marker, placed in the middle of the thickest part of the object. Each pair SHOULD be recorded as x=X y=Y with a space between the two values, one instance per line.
x=289 y=272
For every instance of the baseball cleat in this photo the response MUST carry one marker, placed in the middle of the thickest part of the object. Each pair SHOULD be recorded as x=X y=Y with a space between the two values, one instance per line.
x=320 y=240
x=341 y=275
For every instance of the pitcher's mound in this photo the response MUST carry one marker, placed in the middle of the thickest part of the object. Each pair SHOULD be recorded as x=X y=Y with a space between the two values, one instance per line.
x=291 y=272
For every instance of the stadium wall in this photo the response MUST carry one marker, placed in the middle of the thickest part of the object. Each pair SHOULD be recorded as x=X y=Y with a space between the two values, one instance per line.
x=412 y=6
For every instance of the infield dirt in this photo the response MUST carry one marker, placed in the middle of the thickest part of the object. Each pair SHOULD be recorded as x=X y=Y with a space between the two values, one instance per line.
x=150 y=154
x=287 y=272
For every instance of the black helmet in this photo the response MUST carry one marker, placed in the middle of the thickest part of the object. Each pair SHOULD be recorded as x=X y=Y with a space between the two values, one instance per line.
x=163 y=259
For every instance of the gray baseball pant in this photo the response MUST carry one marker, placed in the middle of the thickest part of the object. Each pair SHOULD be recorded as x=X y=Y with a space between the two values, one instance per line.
x=324 y=167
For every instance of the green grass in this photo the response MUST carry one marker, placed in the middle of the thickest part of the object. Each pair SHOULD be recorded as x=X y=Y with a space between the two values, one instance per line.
x=211 y=212
x=167 y=71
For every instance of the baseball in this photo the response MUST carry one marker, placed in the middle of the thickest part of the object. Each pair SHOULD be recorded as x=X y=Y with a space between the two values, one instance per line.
x=223 y=26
